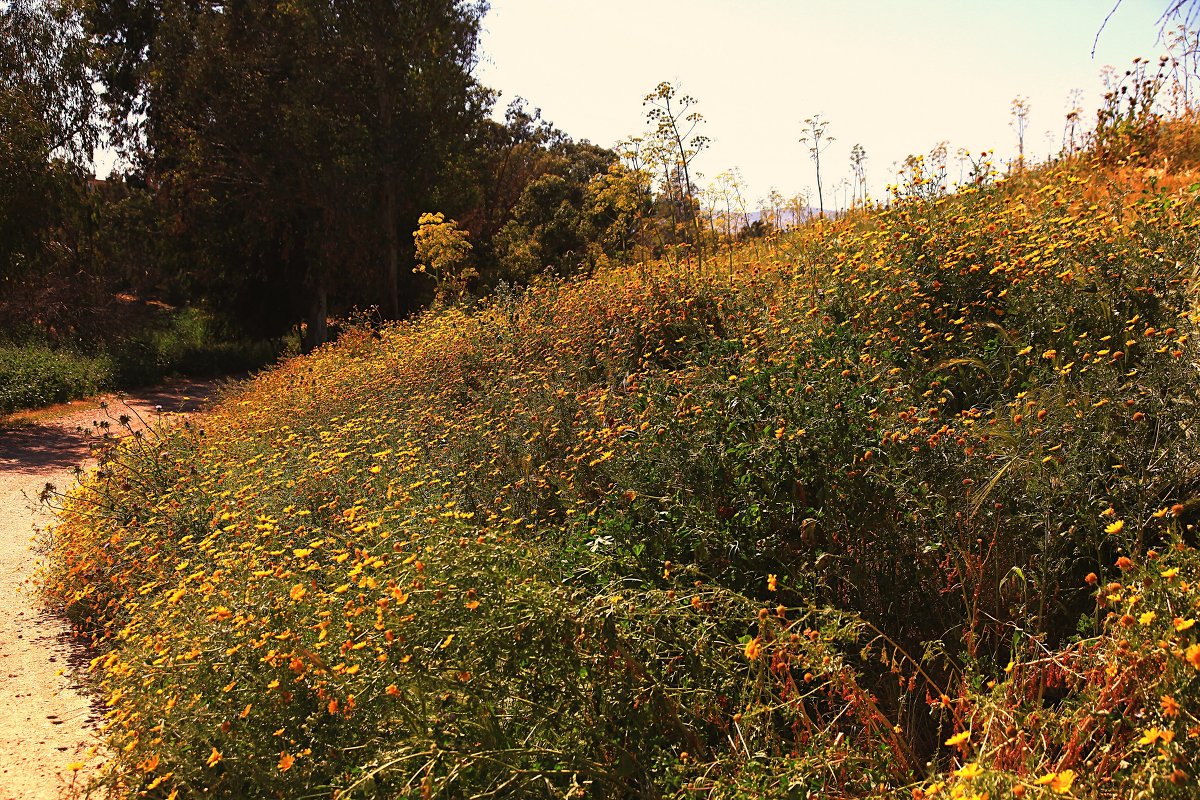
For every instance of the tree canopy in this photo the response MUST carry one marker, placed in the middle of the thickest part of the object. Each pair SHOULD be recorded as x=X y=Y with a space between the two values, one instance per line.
x=46 y=131
x=296 y=141
x=274 y=159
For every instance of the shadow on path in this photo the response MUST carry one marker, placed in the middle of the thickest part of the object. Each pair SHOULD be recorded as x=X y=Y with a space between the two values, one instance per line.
x=40 y=448
x=176 y=398
x=63 y=442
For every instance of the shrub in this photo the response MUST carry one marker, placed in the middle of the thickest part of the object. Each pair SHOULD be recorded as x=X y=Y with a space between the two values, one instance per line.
x=35 y=375
x=36 y=372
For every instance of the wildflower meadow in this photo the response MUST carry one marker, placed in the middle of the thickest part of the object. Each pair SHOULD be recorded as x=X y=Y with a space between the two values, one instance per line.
x=897 y=504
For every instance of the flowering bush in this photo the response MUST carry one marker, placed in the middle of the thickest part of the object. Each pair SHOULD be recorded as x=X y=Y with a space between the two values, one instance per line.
x=816 y=519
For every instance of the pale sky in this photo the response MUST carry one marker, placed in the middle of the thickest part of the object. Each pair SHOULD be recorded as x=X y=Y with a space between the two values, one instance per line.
x=897 y=76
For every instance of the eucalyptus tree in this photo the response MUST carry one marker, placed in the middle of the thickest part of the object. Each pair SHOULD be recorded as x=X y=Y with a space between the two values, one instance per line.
x=297 y=143
x=46 y=125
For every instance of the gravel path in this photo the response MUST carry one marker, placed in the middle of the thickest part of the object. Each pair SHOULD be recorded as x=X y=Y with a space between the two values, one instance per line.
x=47 y=723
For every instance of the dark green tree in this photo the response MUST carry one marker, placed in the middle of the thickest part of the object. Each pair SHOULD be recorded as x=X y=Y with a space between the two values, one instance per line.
x=46 y=130
x=295 y=144
x=554 y=223
x=534 y=200
x=503 y=158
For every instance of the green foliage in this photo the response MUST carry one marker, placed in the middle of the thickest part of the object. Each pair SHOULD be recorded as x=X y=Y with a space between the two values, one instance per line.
x=443 y=252
x=270 y=158
x=190 y=342
x=552 y=204
x=831 y=524
x=290 y=143
x=34 y=375
x=617 y=203
x=46 y=131
x=35 y=372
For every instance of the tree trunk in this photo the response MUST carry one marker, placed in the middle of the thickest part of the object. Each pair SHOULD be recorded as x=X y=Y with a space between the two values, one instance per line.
x=392 y=289
x=317 y=331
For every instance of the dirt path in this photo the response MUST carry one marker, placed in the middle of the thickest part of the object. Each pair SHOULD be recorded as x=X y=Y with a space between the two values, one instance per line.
x=47 y=725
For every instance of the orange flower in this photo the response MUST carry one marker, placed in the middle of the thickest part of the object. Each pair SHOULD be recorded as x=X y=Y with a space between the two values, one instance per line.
x=1170 y=707
x=1192 y=656
x=214 y=757
x=753 y=648
x=285 y=761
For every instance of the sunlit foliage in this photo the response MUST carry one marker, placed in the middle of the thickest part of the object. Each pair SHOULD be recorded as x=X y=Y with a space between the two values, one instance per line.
x=898 y=504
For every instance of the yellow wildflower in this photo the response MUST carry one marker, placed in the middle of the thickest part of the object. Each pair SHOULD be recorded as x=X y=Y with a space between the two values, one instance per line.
x=958 y=738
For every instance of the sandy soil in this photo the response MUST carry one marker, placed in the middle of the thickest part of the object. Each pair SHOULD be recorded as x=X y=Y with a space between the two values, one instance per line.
x=47 y=722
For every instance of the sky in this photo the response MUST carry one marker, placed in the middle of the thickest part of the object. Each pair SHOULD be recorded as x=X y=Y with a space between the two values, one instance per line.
x=896 y=76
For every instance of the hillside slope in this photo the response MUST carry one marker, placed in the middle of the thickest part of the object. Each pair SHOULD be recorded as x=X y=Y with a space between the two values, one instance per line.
x=896 y=505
